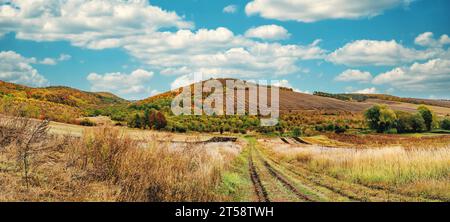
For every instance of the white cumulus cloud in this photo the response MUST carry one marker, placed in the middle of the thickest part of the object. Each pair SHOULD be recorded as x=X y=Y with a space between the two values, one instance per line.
x=268 y=32
x=219 y=52
x=379 y=53
x=315 y=10
x=136 y=26
x=427 y=39
x=433 y=75
x=95 y=24
x=231 y=9
x=123 y=84
x=354 y=75
x=371 y=90
x=18 y=69
x=285 y=83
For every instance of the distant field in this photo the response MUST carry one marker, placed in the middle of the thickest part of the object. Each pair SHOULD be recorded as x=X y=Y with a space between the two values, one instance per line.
x=407 y=107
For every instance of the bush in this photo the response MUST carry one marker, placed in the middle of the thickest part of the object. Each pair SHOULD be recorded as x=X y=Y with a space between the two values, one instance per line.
x=445 y=124
x=101 y=152
x=87 y=122
x=392 y=131
x=329 y=127
x=319 y=128
x=160 y=121
x=135 y=121
x=296 y=132
x=180 y=128
x=418 y=123
x=410 y=123
x=339 y=129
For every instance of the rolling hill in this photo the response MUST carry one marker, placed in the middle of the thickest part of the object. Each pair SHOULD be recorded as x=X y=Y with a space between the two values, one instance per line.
x=295 y=102
x=65 y=104
x=58 y=103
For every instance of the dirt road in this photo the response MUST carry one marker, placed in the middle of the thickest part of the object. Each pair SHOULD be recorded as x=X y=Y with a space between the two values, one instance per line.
x=276 y=180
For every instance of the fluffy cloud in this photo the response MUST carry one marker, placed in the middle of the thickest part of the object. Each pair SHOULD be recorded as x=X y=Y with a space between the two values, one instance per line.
x=17 y=69
x=433 y=75
x=218 y=53
x=427 y=39
x=230 y=9
x=268 y=32
x=315 y=10
x=354 y=75
x=64 y=57
x=121 y=83
x=54 y=61
x=136 y=27
x=379 y=53
x=285 y=83
x=371 y=90
x=94 y=24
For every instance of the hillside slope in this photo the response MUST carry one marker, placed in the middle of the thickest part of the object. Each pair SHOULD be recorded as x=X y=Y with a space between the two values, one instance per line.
x=56 y=102
x=295 y=102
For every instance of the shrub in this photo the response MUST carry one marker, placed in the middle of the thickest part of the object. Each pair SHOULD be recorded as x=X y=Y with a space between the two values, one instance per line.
x=392 y=131
x=296 y=132
x=180 y=128
x=409 y=123
x=319 y=128
x=418 y=123
x=329 y=127
x=445 y=124
x=87 y=122
x=340 y=129
x=101 y=152
x=135 y=121
x=160 y=121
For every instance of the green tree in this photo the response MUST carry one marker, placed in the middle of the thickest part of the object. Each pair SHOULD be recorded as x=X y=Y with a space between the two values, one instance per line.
x=136 y=121
x=146 y=119
x=296 y=132
x=418 y=123
x=380 y=118
x=445 y=124
x=404 y=122
x=409 y=123
x=427 y=116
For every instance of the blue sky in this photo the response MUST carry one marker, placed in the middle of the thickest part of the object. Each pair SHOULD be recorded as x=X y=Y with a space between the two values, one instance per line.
x=136 y=48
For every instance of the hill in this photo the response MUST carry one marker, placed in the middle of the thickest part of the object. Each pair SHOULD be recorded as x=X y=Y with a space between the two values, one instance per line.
x=314 y=112
x=58 y=103
x=296 y=102
x=385 y=97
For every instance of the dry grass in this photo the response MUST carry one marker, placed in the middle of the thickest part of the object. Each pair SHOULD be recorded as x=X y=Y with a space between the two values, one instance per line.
x=417 y=172
x=384 y=140
x=105 y=165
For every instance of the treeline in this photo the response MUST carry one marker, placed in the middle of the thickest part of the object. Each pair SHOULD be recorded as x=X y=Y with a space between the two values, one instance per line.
x=150 y=119
x=157 y=115
x=384 y=120
x=364 y=97
x=345 y=97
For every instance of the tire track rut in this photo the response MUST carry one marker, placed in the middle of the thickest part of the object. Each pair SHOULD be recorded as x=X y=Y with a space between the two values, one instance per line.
x=260 y=191
x=337 y=186
x=285 y=182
